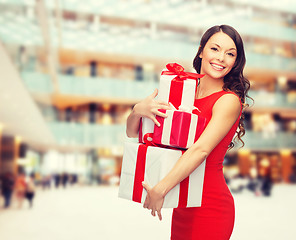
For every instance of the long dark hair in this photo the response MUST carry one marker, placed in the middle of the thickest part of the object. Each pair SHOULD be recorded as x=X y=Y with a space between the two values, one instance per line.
x=234 y=81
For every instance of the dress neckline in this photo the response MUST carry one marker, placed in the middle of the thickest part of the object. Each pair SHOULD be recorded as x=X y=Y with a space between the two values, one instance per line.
x=209 y=95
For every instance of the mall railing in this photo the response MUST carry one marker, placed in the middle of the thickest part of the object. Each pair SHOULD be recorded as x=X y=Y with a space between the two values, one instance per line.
x=116 y=88
x=269 y=141
x=98 y=135
x=90 y=135
x=270 y=62
x=276 y=99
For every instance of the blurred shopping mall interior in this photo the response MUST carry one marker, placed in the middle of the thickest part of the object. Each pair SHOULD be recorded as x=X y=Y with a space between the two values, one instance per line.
x=72 y=70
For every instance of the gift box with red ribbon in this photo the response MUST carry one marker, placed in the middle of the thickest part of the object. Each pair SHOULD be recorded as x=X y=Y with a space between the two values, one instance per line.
x=143 y=162
x=176 y=87
x=180 y=129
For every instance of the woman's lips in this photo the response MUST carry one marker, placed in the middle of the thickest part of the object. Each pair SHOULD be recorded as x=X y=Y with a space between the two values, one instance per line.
x=217 y=67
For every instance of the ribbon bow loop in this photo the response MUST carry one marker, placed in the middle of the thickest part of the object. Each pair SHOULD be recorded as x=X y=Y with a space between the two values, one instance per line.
x=184 y=108
x=176 y=69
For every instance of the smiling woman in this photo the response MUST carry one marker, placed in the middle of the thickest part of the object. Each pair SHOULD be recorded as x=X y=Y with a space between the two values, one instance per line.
x=222 y=46
x=220 y=97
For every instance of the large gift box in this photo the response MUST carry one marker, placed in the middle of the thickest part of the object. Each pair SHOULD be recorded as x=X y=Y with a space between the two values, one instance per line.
x=142 y=162
x=180 y=129
x=176 y=87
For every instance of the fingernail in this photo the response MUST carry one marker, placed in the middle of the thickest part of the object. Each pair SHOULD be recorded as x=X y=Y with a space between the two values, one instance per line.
x=158 y=125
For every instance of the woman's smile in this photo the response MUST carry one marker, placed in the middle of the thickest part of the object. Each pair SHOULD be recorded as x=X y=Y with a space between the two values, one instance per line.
x=217 y=67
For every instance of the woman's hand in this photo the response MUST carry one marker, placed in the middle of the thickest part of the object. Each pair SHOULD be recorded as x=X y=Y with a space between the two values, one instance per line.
x=149 y=107
x=154 y=200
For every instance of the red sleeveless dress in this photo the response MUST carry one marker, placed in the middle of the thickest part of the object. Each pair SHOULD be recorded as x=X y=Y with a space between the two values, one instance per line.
x=214 y=220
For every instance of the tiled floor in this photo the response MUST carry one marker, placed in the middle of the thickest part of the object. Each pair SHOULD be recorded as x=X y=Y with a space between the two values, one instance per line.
x=86 y=213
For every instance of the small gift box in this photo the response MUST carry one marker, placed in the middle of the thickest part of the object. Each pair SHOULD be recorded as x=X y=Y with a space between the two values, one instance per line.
x=177 y=87
x=180 y=129
x=142 y=162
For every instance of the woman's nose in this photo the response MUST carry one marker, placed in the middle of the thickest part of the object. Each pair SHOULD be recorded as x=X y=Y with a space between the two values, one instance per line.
x=220 y=56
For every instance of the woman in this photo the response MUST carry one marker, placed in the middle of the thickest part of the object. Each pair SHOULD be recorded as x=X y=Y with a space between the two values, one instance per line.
x=220 y=97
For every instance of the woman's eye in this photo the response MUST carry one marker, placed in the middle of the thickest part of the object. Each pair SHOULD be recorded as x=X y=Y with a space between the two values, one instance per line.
x=231 y=54
x=215 y=49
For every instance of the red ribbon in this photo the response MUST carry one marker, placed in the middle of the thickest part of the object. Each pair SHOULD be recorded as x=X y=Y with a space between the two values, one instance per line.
x=176 y=69
x=140 y=167
x=141 y=131
x=140 y=172
x=148 y=139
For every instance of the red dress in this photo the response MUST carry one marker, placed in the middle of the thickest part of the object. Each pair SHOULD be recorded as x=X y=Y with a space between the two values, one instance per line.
x=214 y=220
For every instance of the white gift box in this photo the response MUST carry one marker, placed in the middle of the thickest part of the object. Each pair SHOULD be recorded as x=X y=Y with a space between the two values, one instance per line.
x=169 y=86
x=156 y=165
x=180 y=93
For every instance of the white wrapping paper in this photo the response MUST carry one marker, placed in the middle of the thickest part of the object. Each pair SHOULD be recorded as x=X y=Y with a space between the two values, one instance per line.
x=159 y=161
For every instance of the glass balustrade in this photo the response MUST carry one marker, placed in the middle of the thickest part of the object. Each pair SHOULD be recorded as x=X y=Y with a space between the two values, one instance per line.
x=269 y=141
x=128 y=89
x=271 y=99
x=90 y=135
x=98 y=135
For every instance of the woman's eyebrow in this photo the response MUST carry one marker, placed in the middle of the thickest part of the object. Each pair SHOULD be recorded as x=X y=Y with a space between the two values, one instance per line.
x=220 y=47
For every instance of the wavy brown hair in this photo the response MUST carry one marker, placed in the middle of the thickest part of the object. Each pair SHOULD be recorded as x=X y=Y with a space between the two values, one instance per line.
x=234 y=81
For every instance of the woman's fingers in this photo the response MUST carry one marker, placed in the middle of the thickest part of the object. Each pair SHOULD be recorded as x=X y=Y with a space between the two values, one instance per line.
x=153 y=118
x=154 y=94
x=165 y=107
x=159 y=214
x=163 y=103
x=158 y=113
x=146 y=186
x=153 y=212
x=145 y=205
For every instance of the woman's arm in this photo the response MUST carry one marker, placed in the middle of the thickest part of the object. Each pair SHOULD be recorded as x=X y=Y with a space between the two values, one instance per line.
x=224 y=114
x=146 y=108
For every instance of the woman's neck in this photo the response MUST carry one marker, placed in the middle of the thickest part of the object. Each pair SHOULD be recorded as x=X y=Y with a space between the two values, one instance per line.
x=208 y=86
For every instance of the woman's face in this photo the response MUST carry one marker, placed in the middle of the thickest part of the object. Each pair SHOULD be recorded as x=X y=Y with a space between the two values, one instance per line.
x=218 y=56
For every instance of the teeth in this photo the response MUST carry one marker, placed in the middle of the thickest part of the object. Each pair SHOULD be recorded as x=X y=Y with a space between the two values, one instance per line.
x=217 y=66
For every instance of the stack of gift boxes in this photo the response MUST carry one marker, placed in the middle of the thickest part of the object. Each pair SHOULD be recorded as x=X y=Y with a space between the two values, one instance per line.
x=159 y=148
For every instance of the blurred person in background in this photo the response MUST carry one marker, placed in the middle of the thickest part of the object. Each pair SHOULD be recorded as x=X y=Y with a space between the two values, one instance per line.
x=237 y=183
x=265 y=180
x=46 y=182
x=254 y=184
x=65 y=178
x=293 y=175
x=20 y=188
x=221 y=97
x=57 y=179
x=7 y=188
x=30 y=189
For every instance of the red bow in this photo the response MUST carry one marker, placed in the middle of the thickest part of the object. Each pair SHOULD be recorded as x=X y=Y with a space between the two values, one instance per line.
x=176 y=69
x=148 y=140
